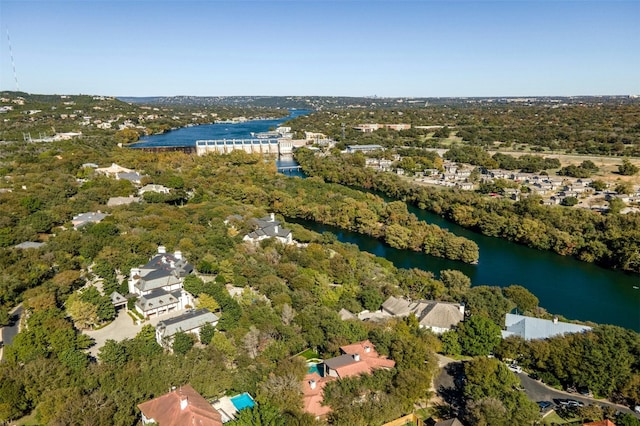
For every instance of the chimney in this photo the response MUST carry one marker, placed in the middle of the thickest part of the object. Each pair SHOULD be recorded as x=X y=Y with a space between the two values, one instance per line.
x=356 y=357
x=276 y=229
x=555 y=320
x=162 y=249
x=184 y=402
x=273 y=216
x=461 y=308
x=178 y=255
x=312 y=384
x=172 y=264
x=367 y=349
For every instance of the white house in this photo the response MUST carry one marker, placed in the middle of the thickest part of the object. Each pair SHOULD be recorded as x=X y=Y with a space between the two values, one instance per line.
x=189 y=322
x=269 y=227
x=159 y=284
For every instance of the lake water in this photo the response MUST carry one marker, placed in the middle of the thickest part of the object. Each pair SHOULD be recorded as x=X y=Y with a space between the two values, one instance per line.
x=188 y=136
x=565 y=286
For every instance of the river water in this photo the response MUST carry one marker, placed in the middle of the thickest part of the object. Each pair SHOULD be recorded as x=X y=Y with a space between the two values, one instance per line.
x=565 y=286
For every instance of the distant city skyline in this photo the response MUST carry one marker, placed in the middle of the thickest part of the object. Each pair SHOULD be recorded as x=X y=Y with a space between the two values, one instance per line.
x=321 y=48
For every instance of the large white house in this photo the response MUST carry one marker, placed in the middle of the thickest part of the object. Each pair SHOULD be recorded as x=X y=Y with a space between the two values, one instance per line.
x=159 y=284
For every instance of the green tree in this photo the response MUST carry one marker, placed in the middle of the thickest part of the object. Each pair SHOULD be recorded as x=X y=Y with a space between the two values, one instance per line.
x=450 y=343
x=206 y=333
x=263 y=414
x=569 y=201
x=627 y=168
x=456 y=282
x=113 y=353
x=524 y=300
x=182 y=342
x=478 y=335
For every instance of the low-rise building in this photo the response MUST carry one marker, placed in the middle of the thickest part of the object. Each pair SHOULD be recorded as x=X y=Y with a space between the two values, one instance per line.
x=530 y=328
x=191 y=321
x=182 y=406
x=363 y=148
x=357 y=358
x=436 y=316
x=268 y=227
x=122 y=201
x=83 y=219
x=154 y=188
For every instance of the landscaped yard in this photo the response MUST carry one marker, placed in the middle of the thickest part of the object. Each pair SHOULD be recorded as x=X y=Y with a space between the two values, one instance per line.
x=309 y=354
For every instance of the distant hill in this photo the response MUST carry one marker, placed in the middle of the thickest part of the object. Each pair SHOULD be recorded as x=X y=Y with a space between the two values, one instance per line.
x=373 y=102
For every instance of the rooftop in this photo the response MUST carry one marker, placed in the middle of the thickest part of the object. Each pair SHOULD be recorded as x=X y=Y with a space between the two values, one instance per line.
x=188 y=321
x=183 y=406
x=537 y=328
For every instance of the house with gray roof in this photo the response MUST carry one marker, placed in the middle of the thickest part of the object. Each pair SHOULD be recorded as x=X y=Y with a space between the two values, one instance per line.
x=530 y=328
x=122 y=201
x=436 y=316
x=83 y=219
x=29 y=245
x=189 y=322
x=268 y=227
x=159 y=284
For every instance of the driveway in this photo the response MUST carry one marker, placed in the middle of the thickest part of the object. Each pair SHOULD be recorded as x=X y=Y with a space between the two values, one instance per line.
x=121 y=328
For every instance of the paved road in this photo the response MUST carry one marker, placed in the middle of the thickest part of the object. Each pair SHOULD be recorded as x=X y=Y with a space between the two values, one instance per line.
x=448 y=386
x=538 y=391
x=9 y=332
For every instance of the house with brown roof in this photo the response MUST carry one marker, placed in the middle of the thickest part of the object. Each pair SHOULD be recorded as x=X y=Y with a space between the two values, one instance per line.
x=606 y=422
x=182 y=406
x=313 y=394
x=358 y=358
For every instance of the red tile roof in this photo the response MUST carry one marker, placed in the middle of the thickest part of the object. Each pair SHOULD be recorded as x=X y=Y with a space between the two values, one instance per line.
x=183 y=406
x=600 y=423
x=370 y=359
x=312 y=397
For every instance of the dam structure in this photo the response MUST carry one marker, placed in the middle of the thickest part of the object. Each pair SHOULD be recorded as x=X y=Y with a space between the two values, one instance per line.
x=259 y=146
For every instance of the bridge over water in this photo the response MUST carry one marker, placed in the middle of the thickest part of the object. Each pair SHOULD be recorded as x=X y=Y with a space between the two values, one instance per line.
x=289 y=169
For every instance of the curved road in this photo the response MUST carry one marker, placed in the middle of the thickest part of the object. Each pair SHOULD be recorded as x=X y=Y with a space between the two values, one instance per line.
x=448 y=387
x=538 y=391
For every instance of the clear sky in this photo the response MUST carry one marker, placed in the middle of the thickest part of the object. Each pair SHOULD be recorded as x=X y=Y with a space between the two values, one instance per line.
x=334 y=48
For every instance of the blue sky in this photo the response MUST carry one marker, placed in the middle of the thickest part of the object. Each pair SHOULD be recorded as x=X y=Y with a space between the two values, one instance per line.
x=334 y=48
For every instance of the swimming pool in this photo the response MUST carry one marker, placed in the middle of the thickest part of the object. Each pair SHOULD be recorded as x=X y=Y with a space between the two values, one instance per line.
x=242 y=401
x=314 y=369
